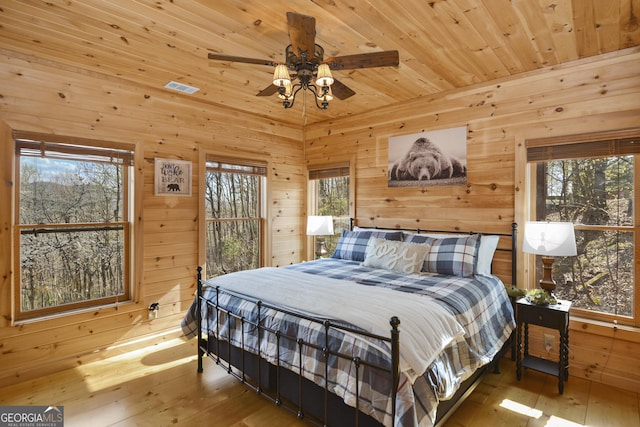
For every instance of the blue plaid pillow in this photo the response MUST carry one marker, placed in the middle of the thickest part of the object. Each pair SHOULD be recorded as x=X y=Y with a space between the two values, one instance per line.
x=352 y=245
x=418 y=238
x=453 y=256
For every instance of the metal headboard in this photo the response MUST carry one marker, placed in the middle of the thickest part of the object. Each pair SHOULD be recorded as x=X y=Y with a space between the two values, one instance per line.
x=513 y=236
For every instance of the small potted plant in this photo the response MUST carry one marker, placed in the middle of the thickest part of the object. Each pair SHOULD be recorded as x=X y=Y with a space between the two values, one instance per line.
x=540 y=297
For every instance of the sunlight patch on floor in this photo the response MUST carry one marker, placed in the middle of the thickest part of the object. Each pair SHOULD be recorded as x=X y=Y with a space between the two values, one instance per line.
x=155 y=340
x=561 y=422
x=521 y=409
x=136 y=361
x=537 y=414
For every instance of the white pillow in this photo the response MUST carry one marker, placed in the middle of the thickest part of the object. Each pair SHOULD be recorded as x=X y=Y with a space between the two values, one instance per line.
x=488 y=245
x=396 y=256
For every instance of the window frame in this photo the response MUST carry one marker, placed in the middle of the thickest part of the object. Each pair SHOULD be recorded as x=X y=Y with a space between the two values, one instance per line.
x=594 y=144
x=261 y=168
x=73 y=146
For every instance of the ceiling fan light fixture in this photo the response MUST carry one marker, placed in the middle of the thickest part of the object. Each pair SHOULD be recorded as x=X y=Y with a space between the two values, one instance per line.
x=325 y=94
x=304 y=58
x=324 y=77
x=281 y=77
x=286 y=93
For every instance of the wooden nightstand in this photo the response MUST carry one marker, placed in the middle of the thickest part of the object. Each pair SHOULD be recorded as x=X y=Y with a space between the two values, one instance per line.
x=548 y=316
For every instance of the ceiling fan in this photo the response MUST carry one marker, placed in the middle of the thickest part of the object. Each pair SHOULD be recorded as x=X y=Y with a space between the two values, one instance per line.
x=304 y=61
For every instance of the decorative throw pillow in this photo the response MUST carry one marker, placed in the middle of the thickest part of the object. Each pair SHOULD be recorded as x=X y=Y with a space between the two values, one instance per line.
x=486 y=248
x=352 y=245
x=454 y=256
x=395 y=256
x=423 y=240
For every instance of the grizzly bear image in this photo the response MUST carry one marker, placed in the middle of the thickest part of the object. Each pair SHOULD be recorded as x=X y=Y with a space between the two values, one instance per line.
x=426 y=161
x=173 y=187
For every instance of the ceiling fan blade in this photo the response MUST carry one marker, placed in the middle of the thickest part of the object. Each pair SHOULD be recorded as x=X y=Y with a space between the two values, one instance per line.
x=302 y=33
x=387 y=58
x=231 y=58
x=271 y=89
x=268 y=91
x=340 y=90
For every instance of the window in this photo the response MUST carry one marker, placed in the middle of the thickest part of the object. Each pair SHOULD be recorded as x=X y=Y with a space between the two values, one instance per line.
x=329 y=189
x=73 y=223
x=234 y=200
x=592 y=184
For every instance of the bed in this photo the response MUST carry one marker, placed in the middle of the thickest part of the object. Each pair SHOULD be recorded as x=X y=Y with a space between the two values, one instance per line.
x=395 y=329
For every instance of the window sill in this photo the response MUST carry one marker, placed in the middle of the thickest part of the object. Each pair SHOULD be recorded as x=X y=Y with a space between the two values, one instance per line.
x=605 y=329
x=96 y=311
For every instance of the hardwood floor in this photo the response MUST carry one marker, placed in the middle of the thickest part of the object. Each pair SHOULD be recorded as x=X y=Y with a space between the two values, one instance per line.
x=160 y=387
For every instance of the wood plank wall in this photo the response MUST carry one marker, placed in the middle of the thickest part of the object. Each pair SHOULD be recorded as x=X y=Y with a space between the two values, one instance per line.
x=53 y=98
x=584 y=96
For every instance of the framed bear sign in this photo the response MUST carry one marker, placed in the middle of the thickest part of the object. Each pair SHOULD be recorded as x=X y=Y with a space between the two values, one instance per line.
x=436 y=157
x=172 y=177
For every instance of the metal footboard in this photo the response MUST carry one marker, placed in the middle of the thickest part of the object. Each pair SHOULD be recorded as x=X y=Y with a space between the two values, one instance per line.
x=248 y=367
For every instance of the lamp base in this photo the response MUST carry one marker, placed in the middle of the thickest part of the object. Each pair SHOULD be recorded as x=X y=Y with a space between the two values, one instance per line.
x=547 y=283
x=320 y=249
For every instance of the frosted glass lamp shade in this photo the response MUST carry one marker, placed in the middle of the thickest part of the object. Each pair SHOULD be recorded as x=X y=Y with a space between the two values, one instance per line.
x=320 y=225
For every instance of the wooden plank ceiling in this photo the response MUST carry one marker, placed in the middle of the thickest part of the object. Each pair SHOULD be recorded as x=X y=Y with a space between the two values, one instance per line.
x=443 y=44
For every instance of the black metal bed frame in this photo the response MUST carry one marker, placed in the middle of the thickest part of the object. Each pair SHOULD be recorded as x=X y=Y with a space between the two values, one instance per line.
x=292 y=391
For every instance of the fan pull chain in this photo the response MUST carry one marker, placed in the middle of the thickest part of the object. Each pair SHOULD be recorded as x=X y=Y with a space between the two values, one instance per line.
x=304 y=103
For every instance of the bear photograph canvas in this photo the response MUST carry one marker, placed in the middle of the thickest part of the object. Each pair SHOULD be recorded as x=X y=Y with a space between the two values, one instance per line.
x=436 y=157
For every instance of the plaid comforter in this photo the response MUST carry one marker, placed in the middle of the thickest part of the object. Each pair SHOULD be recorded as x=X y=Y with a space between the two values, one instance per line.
x=480 y=304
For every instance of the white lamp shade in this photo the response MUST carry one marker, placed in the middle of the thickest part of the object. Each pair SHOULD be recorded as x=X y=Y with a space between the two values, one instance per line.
x=320 y=225
x=549 y=238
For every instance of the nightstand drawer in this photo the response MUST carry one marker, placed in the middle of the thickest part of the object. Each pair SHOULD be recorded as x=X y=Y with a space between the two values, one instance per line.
x=542 y=316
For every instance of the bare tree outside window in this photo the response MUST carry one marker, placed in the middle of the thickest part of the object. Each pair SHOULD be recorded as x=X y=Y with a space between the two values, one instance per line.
x=72 y=228
x=233 y=199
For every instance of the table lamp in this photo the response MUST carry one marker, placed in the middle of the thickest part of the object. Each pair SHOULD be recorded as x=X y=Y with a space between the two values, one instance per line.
x=320 y=226
x=549 y=239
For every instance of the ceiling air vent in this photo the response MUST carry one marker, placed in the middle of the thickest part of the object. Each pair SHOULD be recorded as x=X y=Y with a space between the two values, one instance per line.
x=181 y=87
